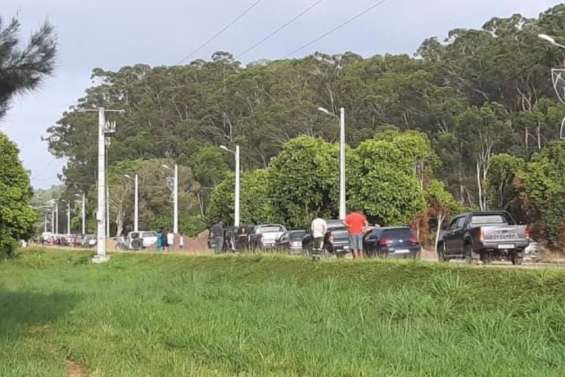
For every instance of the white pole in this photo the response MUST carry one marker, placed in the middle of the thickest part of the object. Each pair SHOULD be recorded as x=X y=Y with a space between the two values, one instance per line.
x=101 y=212
x=45 y=223
x=108 y=217
x=53 y=220
x=68 y=218
x=83 y=212
x=136 y=207
x=56 y=217
x=237 y=188
x=176 y=201
x=342 y=204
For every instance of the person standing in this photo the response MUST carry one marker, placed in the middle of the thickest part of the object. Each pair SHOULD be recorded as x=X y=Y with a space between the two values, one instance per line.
x=165 y=236
x=356 y=224
x=319 y=227
x=159 y=242
x=217 y=231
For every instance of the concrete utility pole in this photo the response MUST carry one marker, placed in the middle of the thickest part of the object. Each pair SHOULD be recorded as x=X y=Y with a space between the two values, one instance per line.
x=45 y=223
x=342 y=192
x=176 y=200
x=236 y=211
x=136 y=205
x=83 y=213
x=135 y=201
x=56 y=217
x=68 y=218
x=52 y=220
x=104 y=130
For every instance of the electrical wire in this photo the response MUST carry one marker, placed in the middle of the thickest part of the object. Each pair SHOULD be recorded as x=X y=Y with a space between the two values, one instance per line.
x=280 y=28
x=336 y=28
x=222 y=30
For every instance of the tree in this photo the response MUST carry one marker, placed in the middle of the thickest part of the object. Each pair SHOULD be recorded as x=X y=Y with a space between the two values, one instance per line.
x=441 y=205
x=383 y=180
x=255 y=200
x=501 y=172
x=16 y=215
x=23 y=69
x=304 y=181
x=544 y=185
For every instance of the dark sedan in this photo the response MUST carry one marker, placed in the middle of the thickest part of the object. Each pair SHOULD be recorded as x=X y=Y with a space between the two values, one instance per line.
x=291 y=240
x=336 y=240
x=396 y=242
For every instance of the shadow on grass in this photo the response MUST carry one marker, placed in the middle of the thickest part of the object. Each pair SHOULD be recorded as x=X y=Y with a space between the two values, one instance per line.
x=22 y=312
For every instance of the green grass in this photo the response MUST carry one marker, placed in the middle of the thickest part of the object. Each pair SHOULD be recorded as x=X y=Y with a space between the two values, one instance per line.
x=165 y=315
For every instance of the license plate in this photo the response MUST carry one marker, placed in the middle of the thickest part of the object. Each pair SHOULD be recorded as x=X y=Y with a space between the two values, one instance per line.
x=506 y=246
x=402 y=251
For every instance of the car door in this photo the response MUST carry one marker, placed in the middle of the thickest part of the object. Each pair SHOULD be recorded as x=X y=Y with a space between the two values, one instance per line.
x=455 y=243
x=450 y=237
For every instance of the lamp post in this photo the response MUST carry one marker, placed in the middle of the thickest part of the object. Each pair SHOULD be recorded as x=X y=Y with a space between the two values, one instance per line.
x=135 y=201
x=342 y=193
x=83 y=213
x=236 y=213
x=175 y=197
x=68 y=218
x=56 y=217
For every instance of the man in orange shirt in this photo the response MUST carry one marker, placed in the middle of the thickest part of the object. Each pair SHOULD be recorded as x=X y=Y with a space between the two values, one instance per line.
x=356 y=224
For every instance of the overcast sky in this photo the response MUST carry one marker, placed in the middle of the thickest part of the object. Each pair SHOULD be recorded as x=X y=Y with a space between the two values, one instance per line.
x=110 y=34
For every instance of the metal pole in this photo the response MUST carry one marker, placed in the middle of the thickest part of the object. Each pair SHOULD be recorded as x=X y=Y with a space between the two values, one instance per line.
x=53 y=220
x=342 y=204
x=83 y=213
x=68 y=218
x=176 y=201
x=45 y=223
x=101 y=212
x=237 y=188
x=56 y=217
x=136 y=205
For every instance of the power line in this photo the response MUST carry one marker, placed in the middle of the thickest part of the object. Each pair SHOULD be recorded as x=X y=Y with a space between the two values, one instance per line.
x=279 y=29
x=350 y=20
x=222 y=30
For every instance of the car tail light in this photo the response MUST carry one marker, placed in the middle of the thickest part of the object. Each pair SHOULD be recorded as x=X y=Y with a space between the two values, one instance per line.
x=481 y=235
x=385 y=242
x=331 y=238
x=413 y=240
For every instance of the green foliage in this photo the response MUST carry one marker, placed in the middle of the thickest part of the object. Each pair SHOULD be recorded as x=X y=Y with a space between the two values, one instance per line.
x=384 y=181
x=23 y=69
x=544 y=184
x=16 y=216
x=304 y=181
x=255 y=201
x=501 y=172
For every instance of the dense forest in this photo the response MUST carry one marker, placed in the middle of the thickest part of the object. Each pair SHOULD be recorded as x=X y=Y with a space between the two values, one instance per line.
x=469 y=121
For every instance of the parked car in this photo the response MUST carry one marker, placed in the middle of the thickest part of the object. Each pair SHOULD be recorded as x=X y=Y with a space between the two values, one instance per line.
x=89 y=240
x=291 y=240
x=336 y=240
x=141 y=240
x=265 y=236
x=395 y=242
x=486 y=236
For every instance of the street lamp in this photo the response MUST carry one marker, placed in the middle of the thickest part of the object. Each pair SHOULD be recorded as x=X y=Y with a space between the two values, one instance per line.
x=342 y=200
x=175 y=197
x=136 y=202
x=236 y=213
x=551 y=40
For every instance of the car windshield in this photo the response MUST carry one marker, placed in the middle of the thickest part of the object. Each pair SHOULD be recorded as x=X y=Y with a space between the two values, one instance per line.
x=397 y=234
x=297 y=235
x=488 y=219
x=270 y=229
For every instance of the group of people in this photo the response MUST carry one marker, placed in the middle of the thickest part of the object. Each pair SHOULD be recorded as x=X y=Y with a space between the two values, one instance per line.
x=356 y=224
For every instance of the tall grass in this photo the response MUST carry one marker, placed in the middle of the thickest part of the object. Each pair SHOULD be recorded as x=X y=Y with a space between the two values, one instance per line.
x=276 y=316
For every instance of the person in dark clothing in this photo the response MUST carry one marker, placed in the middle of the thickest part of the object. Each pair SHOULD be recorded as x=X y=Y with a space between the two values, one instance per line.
x=217 y=231
x=165 y=240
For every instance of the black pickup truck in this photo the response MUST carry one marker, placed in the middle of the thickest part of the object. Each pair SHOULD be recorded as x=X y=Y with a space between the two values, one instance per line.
x=486 y=236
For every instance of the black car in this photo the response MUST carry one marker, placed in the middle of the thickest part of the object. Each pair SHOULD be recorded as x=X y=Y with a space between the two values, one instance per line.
x=397 y=242
x=291 y=240
x=336 y=240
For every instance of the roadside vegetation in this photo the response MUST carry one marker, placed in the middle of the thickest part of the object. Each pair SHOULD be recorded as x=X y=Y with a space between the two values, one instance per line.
x=155 y=315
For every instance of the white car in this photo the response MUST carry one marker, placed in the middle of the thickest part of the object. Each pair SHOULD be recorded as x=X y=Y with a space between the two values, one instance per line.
x=141 y=239
x=266 y=236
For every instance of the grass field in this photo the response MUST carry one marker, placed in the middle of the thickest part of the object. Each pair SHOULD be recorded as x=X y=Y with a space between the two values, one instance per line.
x=155 y=315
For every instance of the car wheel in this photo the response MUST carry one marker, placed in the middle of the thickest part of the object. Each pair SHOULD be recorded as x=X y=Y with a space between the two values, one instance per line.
x=442 y=253
x=517 y=259
x=486 y=257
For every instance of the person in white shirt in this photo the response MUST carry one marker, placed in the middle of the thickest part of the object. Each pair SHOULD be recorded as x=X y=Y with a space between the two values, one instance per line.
x=319 y=228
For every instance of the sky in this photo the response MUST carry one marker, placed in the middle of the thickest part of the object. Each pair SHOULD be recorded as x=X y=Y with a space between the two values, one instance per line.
x=111 y=34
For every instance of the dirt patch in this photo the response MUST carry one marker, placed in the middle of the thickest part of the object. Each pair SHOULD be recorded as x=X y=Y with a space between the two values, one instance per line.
x=75 y=369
